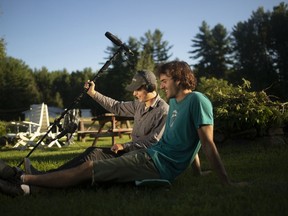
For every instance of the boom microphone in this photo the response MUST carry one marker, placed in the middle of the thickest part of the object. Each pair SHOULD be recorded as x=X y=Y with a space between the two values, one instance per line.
x=118 y=42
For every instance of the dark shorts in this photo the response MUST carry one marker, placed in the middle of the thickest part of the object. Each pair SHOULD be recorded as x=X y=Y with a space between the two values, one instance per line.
x=132 y=166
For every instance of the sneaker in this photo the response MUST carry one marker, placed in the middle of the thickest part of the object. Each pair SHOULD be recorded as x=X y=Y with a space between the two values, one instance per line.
x=10 y=174
x=6 y=171
x=29 y=169
x=10 y=189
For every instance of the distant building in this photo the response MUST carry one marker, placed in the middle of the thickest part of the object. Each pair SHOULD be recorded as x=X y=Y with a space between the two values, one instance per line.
x=55 y=112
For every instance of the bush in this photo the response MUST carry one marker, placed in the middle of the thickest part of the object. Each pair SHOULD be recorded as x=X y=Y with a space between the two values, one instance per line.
x=236 y=109
x=2 y=128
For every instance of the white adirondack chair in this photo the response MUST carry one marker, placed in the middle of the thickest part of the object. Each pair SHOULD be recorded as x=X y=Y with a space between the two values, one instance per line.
x=37 y=126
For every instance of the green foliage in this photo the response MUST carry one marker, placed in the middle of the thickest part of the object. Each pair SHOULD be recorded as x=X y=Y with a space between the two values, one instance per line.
x=145 y=61
x=18 y=88
x=2 y=128
x=154 y=45
x=149 y=51
x=2 y=48
x=254 y=59
x=44 y=80
x=238 y=109
x=212 y=48
x=255 y=49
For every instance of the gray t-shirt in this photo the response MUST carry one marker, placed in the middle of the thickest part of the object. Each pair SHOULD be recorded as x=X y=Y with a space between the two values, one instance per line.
x=148 y=123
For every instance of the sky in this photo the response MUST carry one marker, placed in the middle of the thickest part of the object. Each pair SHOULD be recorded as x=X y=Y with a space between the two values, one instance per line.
x=70 y=34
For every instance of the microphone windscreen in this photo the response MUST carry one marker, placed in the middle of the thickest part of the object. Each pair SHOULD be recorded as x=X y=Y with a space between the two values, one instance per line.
x=113 y=38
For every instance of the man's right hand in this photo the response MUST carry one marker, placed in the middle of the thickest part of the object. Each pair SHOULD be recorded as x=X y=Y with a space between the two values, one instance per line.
x=90 y=87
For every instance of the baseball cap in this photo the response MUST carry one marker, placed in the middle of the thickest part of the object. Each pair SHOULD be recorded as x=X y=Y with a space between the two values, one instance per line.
x=141 y=78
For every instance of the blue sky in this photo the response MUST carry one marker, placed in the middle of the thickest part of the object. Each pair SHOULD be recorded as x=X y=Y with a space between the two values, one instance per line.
x=70 y=34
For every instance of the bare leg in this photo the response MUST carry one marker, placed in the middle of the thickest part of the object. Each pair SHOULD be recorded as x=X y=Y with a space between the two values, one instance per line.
x=62 y=179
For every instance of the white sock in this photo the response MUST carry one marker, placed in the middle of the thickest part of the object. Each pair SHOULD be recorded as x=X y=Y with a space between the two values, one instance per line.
x=22 y=178
x=25 y=188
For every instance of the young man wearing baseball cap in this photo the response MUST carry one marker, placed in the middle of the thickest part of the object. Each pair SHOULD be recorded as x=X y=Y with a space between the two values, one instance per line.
x=149 y=111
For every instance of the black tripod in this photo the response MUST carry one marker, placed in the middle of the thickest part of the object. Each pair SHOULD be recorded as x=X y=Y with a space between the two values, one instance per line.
x=78 y=99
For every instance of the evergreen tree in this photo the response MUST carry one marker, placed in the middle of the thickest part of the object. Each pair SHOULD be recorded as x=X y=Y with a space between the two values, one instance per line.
x=151 y=49
x=18 y=89
x=279 y=47
x=252 y=53
x=2 y=48
x=44 y=80
x=211 y=48
x=220 y=60
x=77 y=81
x=61 y=84
x=154 y=45
x=145 y=61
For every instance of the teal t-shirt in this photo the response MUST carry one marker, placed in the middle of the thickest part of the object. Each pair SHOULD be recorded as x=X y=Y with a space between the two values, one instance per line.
x=180 y=141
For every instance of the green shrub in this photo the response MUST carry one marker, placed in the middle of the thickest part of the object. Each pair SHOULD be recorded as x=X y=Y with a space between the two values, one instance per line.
x=2 y=128
x=236 y=109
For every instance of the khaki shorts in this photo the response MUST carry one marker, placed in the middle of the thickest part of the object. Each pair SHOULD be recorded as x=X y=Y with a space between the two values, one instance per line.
x=132 y=166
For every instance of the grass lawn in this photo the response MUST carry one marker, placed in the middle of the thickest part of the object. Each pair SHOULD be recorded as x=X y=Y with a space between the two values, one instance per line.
x=264 y=166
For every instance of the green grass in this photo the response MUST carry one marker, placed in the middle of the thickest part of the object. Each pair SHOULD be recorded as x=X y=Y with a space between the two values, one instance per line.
x=264 y=166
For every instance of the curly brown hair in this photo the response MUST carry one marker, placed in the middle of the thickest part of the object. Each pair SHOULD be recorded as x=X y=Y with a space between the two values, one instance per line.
x=179 y=71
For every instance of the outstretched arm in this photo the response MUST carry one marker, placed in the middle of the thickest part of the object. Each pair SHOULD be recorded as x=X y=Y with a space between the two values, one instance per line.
x=205 y=133
x=114 y=106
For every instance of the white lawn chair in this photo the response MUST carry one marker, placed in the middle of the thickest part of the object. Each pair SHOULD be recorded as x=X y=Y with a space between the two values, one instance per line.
x=37 y=127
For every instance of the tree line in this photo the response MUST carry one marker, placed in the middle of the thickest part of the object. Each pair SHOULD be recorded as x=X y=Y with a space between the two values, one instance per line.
x=256 y=50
